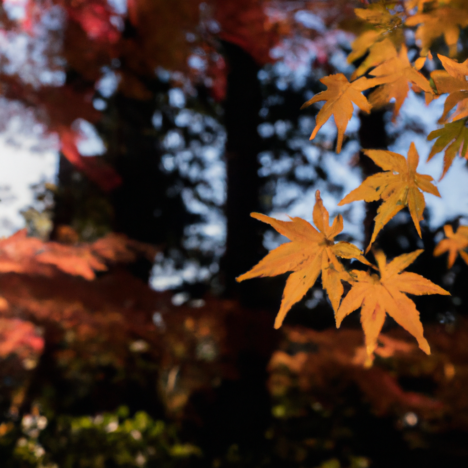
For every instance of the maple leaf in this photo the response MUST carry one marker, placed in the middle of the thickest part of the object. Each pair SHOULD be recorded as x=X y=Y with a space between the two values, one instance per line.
x=379 y=16
x=443 y=21
x=362 y=44
x=453 y=137
x=399 y=186
x=455 y=69
x=419 y=4
x=379 y=53
x=386 y=26
x=311 y=251
x=454 y=244
x=396 y=75
x=22 y=254
x=419 y=64
x=339 y=97
x=452 y=81
x=410 y=4
x=377 y=296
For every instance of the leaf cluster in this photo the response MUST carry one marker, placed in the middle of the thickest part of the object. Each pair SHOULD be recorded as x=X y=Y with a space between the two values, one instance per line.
x=385 y=75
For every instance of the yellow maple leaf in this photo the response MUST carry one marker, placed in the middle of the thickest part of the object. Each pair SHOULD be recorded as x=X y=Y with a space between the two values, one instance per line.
x=443 y=21
x=362 y=44
x=310 y=252
x=420 y=62
x=419 y=4
x=454 y=244
x=452 y=81
x=386 y=25
x=395 y=76
x=462 y=110
x=455 y=69
x=379 y=53
x=399 y=186
x=453 y=137
x=339 y=97
x=379 y=16
x=378 y=295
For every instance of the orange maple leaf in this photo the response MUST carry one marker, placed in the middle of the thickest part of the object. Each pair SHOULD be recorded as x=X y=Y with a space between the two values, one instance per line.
x=419 y=4
x=379 y=16
x=309 y=253
x=443 y=21
x=22 y=254
x=385 y=294
x=339 y=97
x=455 y=244
x=386 y=27
x=452 y=81
x=395 y=76
x=363 y=43
x=379 y=53
x=399 y=186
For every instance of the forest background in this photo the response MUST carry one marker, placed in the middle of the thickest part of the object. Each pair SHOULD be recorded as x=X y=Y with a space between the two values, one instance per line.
x=124 y=337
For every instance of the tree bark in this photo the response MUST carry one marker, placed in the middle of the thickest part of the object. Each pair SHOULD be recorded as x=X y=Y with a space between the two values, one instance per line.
x=242 y=106
x=372 y=135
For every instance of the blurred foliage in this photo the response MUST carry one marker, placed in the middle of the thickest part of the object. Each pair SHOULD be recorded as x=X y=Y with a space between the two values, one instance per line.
x=191 y=374
x=108 y=439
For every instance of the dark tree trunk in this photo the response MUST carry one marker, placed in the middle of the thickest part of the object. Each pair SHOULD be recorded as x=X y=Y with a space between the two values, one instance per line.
x=148 y=205
x=66 y=206
x=79 y=202
x=242 y=106
x=132 y=208
x=372 y=135
x=136 y=157
x=241 y=412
